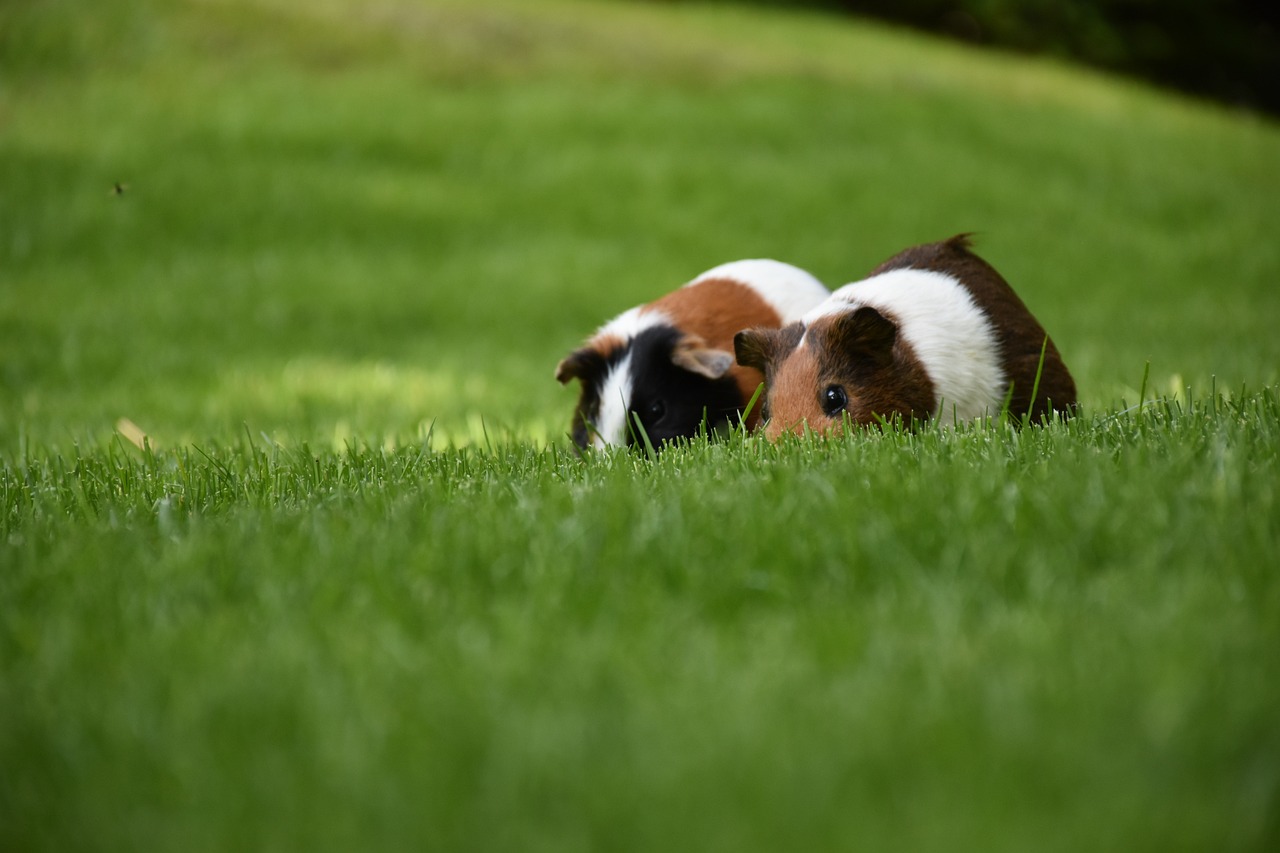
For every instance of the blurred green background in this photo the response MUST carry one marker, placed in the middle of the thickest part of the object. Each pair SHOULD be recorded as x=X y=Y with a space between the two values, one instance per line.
x=382 y=220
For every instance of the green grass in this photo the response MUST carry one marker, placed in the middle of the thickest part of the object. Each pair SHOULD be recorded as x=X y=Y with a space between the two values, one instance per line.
x=355 y=591
x=980 y=639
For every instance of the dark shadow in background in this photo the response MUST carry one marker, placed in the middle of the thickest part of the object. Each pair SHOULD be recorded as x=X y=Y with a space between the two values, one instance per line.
x=1226 y=50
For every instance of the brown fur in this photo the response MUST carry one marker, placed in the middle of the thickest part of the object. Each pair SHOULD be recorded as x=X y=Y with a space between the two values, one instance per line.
x=1018 y=334
x=790 y=390
x=715 y=309
x=607 y=345
x=577 y=364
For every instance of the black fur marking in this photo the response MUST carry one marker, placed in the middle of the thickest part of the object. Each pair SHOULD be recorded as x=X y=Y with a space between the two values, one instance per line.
x=682 y=396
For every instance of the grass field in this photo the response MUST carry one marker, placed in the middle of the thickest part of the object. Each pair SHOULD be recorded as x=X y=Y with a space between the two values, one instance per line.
x=354 y=591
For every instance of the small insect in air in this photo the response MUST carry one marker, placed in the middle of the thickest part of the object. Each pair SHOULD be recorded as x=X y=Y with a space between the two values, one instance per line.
x=118 y=188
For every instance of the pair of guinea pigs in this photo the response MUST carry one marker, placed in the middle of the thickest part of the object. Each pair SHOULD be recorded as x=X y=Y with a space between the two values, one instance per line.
x=933 y=332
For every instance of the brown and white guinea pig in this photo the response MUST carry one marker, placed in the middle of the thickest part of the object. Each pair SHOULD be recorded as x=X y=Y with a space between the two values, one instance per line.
x=671 y=362
x=933 y=332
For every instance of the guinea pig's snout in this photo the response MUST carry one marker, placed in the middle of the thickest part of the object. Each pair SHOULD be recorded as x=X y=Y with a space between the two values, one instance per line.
x=776 y=428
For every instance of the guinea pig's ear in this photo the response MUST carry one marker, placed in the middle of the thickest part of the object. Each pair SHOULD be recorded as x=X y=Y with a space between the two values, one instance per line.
x=758 y=348
x=579 y=364
x=692 y=353
x=865 y=334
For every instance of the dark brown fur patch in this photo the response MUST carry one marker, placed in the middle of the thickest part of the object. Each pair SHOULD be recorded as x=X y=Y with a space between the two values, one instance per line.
x=715 y=310
x=876 y=386
x=1018 y=334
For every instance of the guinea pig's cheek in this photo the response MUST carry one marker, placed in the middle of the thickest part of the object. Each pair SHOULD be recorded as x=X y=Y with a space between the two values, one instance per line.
x=794 y=401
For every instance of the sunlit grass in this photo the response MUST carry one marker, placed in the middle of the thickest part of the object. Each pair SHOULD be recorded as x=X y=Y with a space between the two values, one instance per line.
x=360 y=399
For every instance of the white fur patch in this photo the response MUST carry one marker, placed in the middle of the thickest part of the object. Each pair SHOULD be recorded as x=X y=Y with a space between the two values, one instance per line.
x=950 y=334
x=790 y=290
x=615 y=402
x=632 y=322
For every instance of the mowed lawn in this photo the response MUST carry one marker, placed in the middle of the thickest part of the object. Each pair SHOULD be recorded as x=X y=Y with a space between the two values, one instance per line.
x=353 y=590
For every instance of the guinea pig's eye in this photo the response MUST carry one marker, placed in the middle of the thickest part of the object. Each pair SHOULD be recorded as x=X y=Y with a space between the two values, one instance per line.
x=833 y=400
x=655 y=410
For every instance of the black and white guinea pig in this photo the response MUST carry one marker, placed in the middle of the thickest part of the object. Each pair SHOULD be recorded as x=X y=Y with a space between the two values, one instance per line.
x=933 y=332
x=671 y=364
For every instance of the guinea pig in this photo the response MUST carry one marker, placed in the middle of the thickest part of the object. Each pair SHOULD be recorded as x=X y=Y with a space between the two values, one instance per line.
x=934 y=332
x=670 y=363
